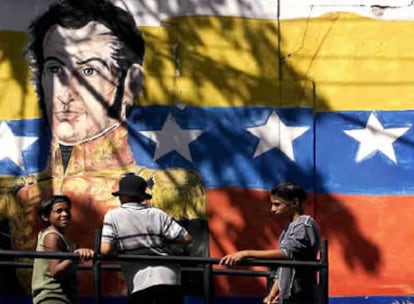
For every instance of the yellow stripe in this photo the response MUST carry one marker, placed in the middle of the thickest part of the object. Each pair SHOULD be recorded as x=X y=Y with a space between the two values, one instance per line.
x=17 y=97
x=336 y=62
x=355 y=63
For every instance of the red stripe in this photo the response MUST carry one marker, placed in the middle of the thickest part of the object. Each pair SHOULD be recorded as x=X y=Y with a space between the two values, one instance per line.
x=370 y=239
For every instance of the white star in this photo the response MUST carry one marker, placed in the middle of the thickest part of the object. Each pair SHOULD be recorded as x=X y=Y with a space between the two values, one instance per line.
x=275 y=134
x=172 y=138
x=375 y=138
x=13 y=146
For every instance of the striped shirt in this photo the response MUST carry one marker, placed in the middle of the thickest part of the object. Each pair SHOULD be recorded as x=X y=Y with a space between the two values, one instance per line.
x=135 y=228
x=300 y=240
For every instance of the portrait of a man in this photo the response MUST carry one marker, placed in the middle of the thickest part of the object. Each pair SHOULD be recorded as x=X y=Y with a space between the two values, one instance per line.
x=86 y=59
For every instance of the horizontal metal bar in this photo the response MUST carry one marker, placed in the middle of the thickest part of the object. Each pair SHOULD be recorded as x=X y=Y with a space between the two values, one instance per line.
x=117 y=267
x=242 y=272
x=202 y=264
x=179 y=259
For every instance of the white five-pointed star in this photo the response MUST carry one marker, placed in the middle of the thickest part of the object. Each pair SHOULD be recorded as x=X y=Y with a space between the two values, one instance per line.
x=375 y=138
x=13 y=146
x=172 y=138
x=275 y=134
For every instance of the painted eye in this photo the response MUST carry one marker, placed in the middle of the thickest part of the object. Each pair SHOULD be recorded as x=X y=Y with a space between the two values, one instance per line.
x=54 y=69
x=89 y=71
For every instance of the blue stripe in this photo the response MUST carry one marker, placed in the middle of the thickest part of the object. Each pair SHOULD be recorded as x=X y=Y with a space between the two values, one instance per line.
x=223 y=154
x=324 y=156
x=336 y=165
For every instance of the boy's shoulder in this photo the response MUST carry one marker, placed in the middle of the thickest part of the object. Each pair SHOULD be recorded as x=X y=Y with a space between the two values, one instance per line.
x=306 y=220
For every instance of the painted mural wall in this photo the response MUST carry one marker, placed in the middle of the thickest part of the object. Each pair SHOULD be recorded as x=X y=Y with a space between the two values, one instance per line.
x=238 y=96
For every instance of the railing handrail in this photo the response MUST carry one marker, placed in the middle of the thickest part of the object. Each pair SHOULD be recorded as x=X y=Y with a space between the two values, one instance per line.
x=321 y=264
x=159 y=258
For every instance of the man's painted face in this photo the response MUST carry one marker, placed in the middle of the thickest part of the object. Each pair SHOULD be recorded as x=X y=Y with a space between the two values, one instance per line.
x=79 y=81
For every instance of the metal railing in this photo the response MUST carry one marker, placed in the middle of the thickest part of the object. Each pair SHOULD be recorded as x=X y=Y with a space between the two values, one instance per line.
x=191 y=264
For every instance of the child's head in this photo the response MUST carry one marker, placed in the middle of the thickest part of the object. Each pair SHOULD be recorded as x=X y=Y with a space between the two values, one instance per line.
x=289 y=192
x=59 y=205
x=287 y=200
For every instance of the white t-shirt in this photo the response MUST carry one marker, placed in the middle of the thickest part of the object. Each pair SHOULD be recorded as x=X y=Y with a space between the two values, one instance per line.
x=135 y=228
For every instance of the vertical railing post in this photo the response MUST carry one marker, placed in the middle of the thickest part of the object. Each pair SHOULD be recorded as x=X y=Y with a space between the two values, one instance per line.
x=208 y=297
x=324 y=274
x=97 y=268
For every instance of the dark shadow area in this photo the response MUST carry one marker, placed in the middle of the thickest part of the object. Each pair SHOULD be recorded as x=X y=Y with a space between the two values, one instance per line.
x=8 y=282
x=193 y=281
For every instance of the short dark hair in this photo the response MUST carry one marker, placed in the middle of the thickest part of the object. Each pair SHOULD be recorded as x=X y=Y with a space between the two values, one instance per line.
x=76 y=14
x=46 y=204
x=289 y=191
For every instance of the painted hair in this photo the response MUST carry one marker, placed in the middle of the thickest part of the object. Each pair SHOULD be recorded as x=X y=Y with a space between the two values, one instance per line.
x=75 y=14
x=289 y=192
x=46 y=205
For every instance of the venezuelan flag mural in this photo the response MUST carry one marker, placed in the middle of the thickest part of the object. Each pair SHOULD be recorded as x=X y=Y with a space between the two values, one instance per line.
x=249 y=94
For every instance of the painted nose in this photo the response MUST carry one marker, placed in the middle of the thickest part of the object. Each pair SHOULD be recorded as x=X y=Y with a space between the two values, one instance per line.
x=69 y=91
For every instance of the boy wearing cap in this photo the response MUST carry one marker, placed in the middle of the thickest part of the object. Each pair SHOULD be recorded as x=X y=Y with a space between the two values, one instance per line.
x=136 y=228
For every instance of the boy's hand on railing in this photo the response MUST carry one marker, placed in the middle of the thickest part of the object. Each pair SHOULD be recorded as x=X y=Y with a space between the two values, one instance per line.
x=85 y=254
x=232 y=259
